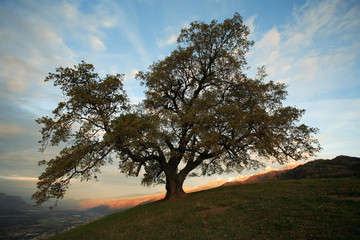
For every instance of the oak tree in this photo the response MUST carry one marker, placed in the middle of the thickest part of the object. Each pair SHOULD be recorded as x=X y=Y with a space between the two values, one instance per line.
x=202 y=115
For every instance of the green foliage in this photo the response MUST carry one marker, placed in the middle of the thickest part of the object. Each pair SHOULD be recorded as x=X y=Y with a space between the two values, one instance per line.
x=296 y=209
x=201 y=111
x=90 y=105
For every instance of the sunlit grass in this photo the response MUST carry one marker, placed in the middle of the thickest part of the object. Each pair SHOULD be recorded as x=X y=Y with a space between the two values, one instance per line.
x=295 y=209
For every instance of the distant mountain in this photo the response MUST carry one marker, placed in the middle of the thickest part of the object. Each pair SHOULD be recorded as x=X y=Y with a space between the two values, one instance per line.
x=341 y=166
x=12 y=204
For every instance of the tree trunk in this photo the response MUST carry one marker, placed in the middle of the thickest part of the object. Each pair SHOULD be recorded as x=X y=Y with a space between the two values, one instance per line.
x=174 y=187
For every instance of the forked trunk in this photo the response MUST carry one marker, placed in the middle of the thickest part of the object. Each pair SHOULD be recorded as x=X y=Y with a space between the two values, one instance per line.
x=174 y=187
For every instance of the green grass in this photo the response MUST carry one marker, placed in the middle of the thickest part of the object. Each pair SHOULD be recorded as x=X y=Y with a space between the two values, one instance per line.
x=293 y=209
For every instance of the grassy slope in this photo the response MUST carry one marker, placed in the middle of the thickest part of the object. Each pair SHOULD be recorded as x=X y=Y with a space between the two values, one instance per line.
x=291 y=209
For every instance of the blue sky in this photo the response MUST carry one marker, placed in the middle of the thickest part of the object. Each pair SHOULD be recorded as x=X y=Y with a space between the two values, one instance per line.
x=312 y=46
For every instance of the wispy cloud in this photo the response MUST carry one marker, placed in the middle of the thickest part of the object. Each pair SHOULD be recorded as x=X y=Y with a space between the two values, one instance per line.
x=40 y=35
x=127 y=25
x=28 y=48
x=7 y=130
x=97 y=44
x=317 y=56
x=170 y=34
x=130 y=75
x=166 y=42
x=318 y=45
x=250 y=22
x=26 y=179
x=16 y=74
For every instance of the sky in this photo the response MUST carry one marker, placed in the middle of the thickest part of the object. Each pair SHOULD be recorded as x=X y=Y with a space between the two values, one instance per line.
x=311 y=46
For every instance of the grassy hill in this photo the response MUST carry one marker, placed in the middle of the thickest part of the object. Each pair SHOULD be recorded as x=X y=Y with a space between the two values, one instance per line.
x=289 y=209
x=341 y=166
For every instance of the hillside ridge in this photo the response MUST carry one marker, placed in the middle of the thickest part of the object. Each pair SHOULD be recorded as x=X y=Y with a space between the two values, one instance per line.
x=340 y=166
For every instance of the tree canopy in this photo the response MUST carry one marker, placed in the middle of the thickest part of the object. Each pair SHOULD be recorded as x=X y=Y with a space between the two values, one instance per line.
x=202 y=115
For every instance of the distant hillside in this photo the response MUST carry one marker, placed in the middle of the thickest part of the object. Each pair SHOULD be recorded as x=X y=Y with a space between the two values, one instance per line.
x=291 y=209
x=341 y=166
x=12 y=204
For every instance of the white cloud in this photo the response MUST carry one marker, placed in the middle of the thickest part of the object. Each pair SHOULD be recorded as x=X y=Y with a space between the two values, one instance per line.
x=250 y=23
x=171 y=39
x=97 y=44
x=267 y=50
x=26 y=179
x=321 y=45
x=38 y=36
x=166 y=42
x=270 y=40
x=170 y=34
x=29 y=46
x=130 y=75
x=16 y=73
x=307 y=67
